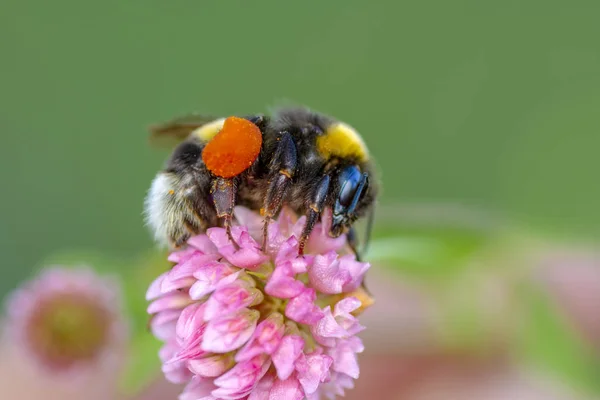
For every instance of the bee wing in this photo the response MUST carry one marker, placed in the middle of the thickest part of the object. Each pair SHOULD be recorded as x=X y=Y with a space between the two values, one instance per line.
x=178 y=129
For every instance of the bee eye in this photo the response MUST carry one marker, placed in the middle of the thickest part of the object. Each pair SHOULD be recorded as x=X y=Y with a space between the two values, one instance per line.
x=348 y=180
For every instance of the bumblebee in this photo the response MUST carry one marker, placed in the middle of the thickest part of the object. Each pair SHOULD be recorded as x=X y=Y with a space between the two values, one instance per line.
x=295 y=157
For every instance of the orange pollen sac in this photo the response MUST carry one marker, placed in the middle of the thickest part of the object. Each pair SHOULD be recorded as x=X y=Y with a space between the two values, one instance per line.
x=233 y=149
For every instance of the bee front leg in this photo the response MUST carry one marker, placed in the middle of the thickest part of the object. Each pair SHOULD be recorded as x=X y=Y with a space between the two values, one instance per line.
x=315 y=208
x=283 y=167
x=223 y=193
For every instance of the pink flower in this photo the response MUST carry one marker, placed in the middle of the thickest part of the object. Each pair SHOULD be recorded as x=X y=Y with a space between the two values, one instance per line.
x=240 y=323
x=340 y=324
x=229 y=331
x=286 y=355
x=313 y=369
x=333 y=274
x=303 y=309
x=67 y=331
x=265 y=339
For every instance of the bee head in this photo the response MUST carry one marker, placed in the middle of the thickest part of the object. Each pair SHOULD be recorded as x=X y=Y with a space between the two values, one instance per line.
x=353 y=187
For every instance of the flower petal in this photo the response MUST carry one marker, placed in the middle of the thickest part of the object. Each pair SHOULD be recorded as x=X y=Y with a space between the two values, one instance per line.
x=202 y=243
x=198 y=389
x=328 y=329
x=356 y=269
x=342 y=313
x=326 y=274
x=287 y=389
x=312 y=370
x=251 y=220
x=229 y=332
x=285 y=356
x=155 y=289
x=175 y=372
x=346 y=306
x=241 y=379
x=265 y=339
x=174 y=300
x=163 y=324
x=181 y=255
x=190 y=322
x=320 y=242
x=282 y=283
x=208 y=278
x=303 y=309
x=344 y=356
x=248 y=255
x=211 y=366
x=263 y=388
x=231 y=298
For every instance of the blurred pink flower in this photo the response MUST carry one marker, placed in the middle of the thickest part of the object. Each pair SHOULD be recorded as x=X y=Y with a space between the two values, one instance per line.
x=65 y=334
x=240 y=323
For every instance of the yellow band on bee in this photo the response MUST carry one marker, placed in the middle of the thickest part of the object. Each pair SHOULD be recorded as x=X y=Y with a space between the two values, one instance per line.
x=341 y=140
x=208 y=131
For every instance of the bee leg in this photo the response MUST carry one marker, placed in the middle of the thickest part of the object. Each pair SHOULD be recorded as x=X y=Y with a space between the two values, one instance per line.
x=223 y=193
x=180 y=241
x=318 y=198
x=202 y=211
x=283 y=167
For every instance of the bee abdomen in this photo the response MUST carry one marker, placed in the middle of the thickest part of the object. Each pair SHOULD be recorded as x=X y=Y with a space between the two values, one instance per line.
x=167 y=213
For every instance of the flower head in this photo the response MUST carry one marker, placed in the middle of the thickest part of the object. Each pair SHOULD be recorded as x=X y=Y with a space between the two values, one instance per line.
x=241 y=323
x=65 y=327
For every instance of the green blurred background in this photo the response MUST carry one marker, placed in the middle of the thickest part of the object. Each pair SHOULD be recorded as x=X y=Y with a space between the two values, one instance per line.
x=475 y=105
x=480 y=103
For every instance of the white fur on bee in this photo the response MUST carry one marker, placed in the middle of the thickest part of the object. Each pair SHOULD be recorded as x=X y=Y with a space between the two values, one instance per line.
x=165 y=208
